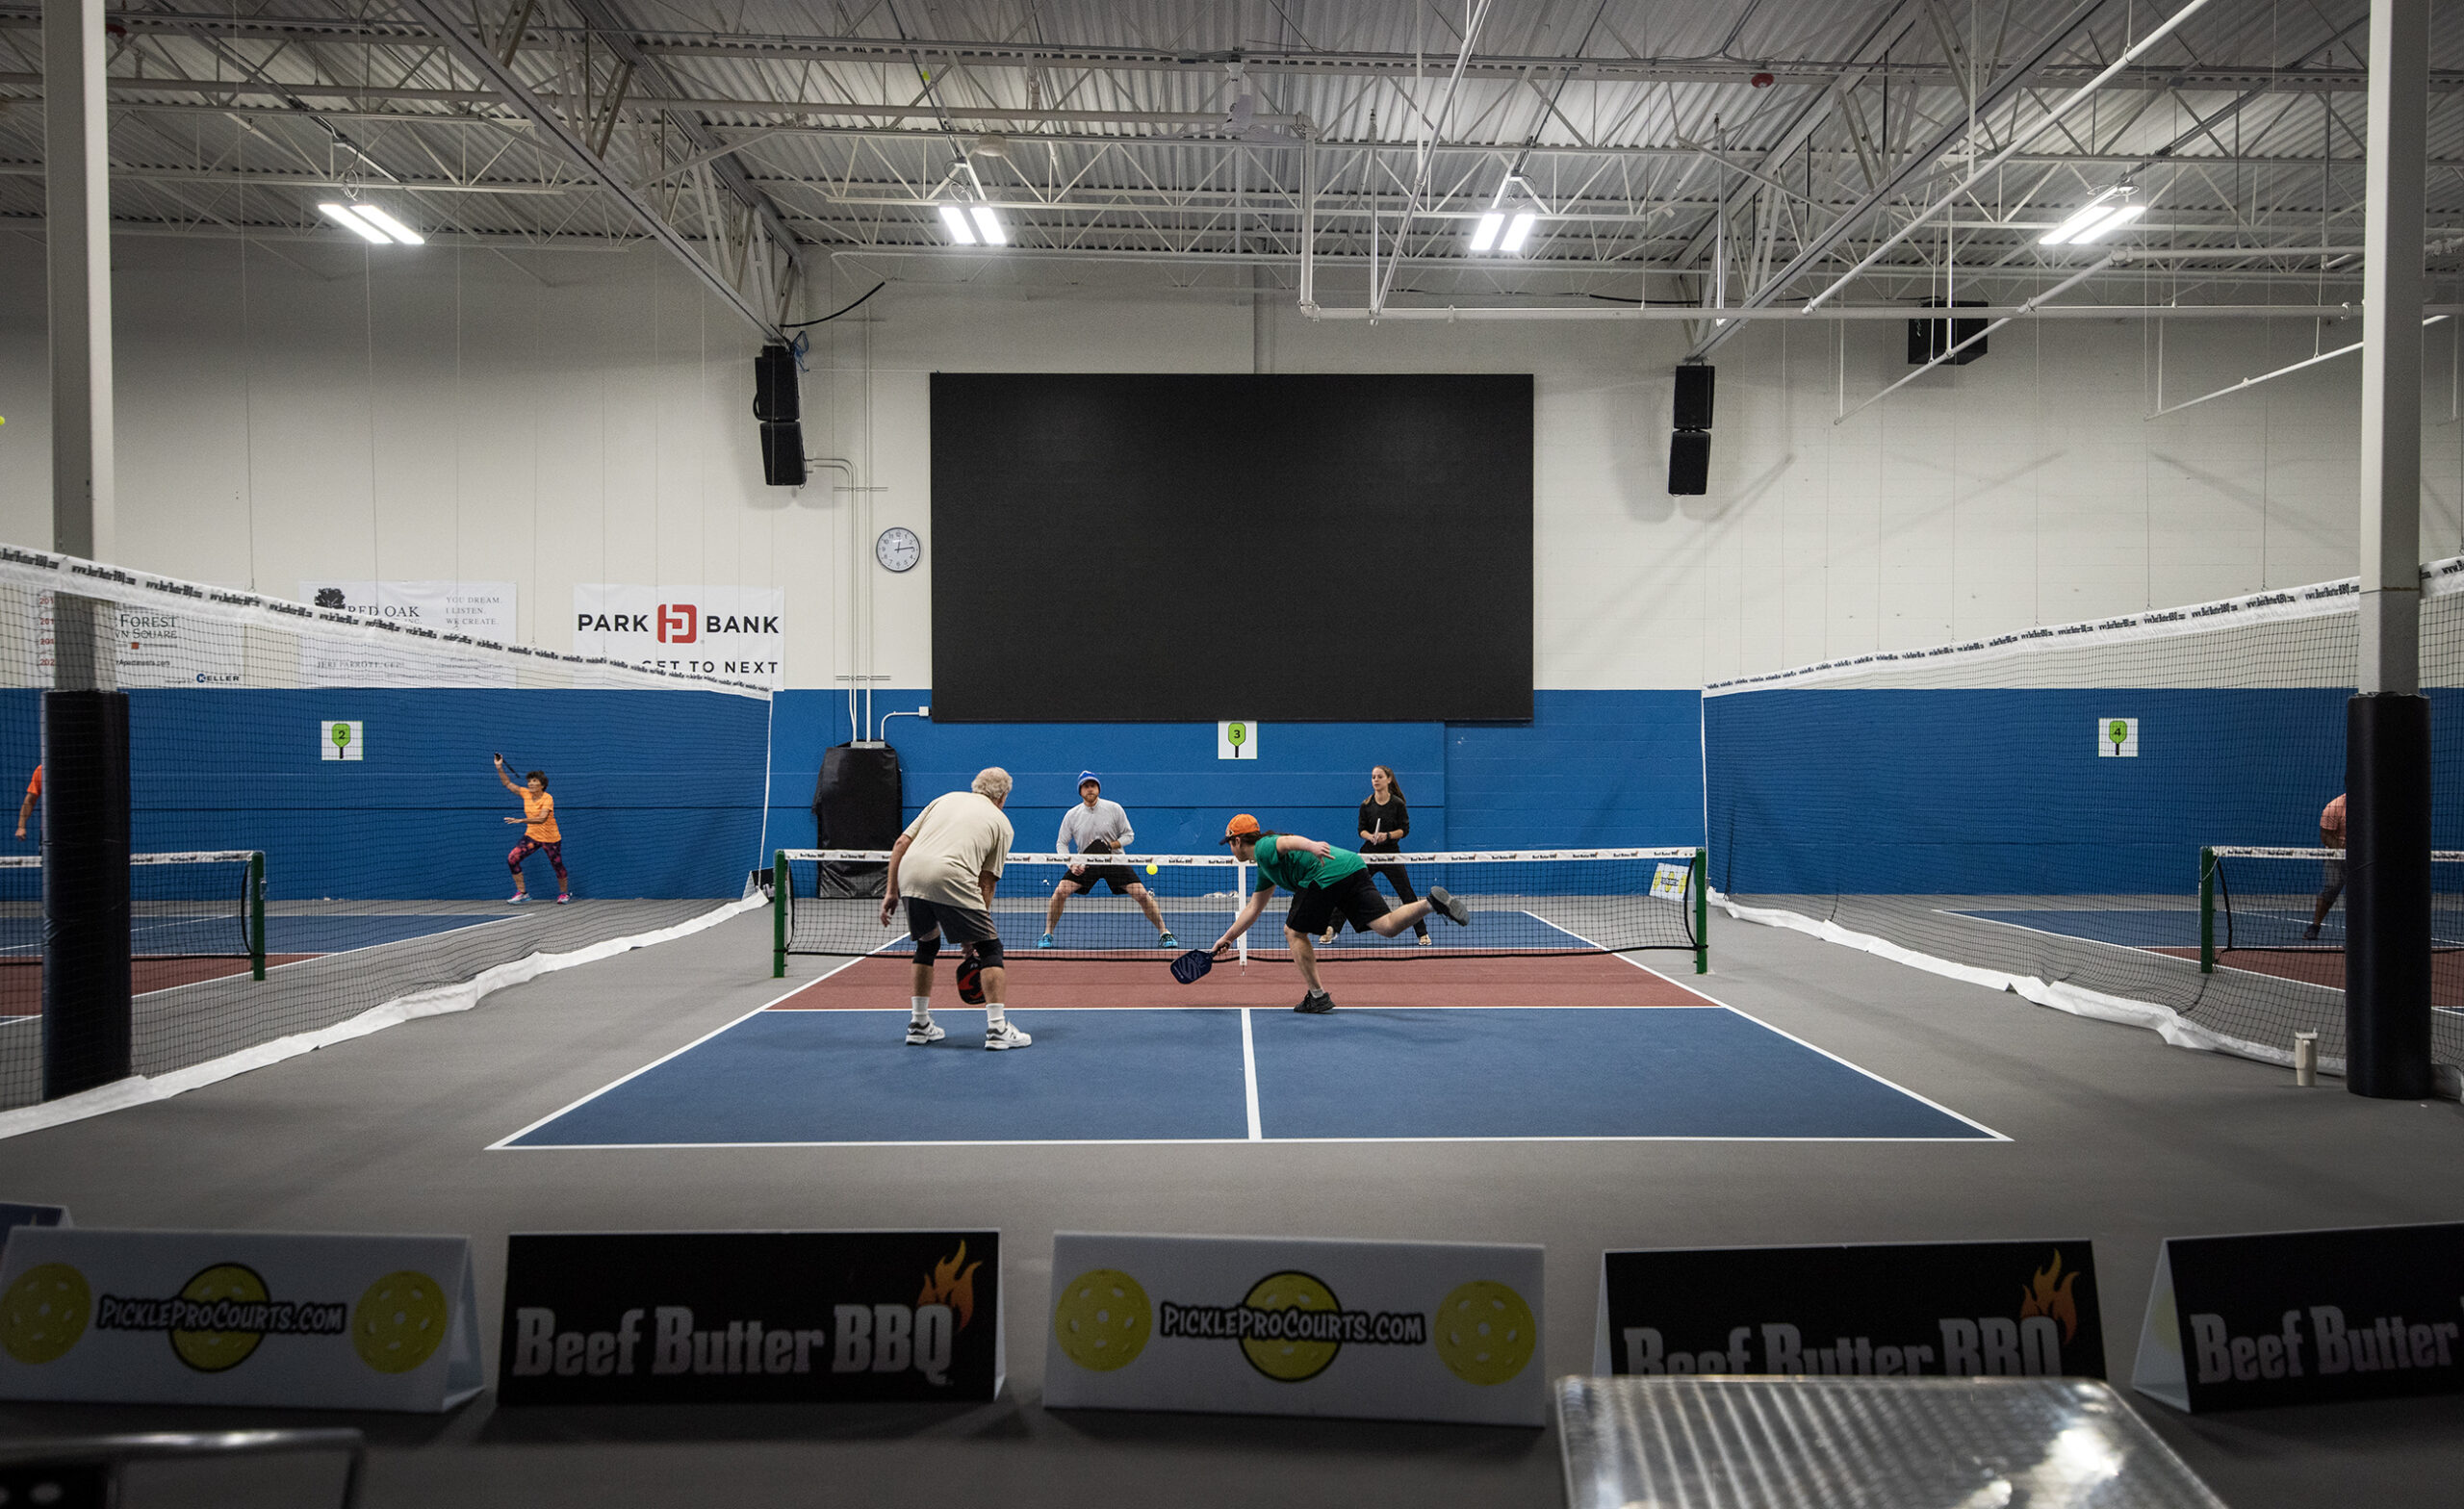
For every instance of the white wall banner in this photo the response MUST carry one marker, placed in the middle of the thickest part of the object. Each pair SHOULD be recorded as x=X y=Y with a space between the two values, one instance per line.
x=725 y=631
x=481 y=609
x=156 y=648
x=238 y=1317
x=1379 y=1330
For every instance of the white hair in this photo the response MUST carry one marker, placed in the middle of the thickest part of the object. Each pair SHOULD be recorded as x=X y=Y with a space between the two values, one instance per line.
x=991 y=782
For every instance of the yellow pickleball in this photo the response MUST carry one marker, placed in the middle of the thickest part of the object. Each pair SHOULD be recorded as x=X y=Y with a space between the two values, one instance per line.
x=216 y=1351
x=1150 y=869
x=1103 y=1320
x=398 y=1323
x=1484 y=1333
x=1288 y=1361
x=44 y=1313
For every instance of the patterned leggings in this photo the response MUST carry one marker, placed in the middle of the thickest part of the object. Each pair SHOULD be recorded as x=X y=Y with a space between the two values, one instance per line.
x=556 y=853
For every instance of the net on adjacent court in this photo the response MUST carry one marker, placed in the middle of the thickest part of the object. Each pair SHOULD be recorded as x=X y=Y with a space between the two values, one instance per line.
x=1569 y=901
x=354 y=755
x=2037 y=805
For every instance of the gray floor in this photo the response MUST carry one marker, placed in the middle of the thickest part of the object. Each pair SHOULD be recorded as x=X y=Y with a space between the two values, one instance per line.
x=2115 y=1137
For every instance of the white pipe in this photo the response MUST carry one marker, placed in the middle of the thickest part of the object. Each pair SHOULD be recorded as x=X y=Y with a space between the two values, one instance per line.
x=1979 y=174
x=2073 y=281
x=2281 y=371
x=1696 y=314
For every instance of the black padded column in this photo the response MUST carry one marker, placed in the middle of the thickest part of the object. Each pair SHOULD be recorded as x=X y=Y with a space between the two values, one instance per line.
x=84 y=891
x=2387 y=921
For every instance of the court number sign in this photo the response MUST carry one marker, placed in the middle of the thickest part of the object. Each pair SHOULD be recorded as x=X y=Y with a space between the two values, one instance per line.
x=340 y=739
x=1237 y=739
x=2117 y=737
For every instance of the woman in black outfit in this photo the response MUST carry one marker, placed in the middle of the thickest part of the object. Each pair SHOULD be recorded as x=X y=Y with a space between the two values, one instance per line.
x=1384 y=820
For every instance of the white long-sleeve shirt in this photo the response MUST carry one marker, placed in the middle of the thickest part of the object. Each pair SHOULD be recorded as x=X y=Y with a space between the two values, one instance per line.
x=1104 y=820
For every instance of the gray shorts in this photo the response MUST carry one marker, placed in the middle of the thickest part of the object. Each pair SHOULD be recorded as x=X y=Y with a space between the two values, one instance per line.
x=961 y=925
x=2331 y=875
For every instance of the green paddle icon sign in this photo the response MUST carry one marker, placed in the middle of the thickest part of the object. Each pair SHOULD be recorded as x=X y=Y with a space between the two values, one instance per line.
x=342 y=735
x=1238 y=733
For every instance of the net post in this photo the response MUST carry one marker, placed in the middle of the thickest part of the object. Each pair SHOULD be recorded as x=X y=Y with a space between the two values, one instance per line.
x=778 y=915
x=1702 y=866
x=257 y=916
x=2207 y=911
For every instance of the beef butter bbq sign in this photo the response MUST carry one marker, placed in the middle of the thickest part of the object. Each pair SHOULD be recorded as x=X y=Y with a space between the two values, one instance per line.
x=2000 y=1309
x=2305 y=1317
x=683 y=1318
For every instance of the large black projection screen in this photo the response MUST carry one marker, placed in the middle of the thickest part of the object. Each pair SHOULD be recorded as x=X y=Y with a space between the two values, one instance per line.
x=1119 y=548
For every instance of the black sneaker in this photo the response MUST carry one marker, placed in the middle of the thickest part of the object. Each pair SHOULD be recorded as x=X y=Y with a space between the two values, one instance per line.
x=1449 y=906
x=1317 y=1002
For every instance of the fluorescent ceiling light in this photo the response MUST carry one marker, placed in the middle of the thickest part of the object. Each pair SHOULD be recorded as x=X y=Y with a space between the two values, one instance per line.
x=1518 y=230
x=955 y=218
x=341 y=215
x=388 y=224
x=1484 y=235
x=2121 y=216
x=2088 y=216
x=989 y=227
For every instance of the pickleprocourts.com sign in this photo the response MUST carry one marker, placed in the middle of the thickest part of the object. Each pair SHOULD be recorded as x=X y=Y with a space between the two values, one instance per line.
x=731 y=632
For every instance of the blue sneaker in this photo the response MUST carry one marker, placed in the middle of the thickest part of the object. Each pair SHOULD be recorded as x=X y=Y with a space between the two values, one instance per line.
x=1045 y=941
x=1167 y=940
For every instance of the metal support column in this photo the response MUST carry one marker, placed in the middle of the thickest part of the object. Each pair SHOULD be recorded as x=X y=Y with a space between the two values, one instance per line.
x=2387 y=961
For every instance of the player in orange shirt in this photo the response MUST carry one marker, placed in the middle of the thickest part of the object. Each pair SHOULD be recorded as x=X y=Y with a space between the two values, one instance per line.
x=26 y=808
x=542 y=835
x=2331 y=835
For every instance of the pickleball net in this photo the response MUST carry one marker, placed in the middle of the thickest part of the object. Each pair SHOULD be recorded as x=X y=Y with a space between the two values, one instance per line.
x=1533 y=902
x=2043 y=810
x=351 y=752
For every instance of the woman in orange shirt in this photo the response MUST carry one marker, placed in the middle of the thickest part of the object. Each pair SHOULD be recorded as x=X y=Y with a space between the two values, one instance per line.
x=542 y=835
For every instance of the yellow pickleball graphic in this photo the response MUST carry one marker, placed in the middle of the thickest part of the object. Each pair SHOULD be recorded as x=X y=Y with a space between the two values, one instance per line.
x=44 y=1313
x=217 y=1352
x=1485 y=1332
x=1103 y=1320
x=1289 y=1361
x=398 y=1323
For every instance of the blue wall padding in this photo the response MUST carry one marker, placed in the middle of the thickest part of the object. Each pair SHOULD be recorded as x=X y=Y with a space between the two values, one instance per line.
x=1816 y=791
x=654 y=788
x=1590 y=769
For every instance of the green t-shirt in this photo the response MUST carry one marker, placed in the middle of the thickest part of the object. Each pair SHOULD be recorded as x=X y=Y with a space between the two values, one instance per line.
x=1301 y=868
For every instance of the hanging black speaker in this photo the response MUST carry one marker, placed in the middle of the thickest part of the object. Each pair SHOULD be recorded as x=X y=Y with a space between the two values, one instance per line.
x=1689 y=462
x=782 y=455
x=775 y=397
x=1693 y=406
x=1929 y=339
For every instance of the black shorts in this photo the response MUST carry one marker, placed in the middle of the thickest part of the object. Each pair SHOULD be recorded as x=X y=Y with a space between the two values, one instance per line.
x=960 y=924
x=1117 y=876
x=1355 y=896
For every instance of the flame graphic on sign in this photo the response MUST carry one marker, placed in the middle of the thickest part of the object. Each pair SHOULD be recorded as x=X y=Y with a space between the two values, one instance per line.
x=956 y=1288
x=2049 y=1294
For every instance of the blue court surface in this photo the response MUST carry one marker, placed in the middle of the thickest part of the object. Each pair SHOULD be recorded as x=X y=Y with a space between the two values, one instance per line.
x=2173 y=929
x=1206 y=1074
x=1504 y=930
x=207 y=934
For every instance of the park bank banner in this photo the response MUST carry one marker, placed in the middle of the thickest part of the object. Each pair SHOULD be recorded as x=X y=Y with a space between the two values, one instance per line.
x=725 y=631
x=288 y=1320
x=2304 y=1317
x=1379 y=1330
x=1952 y=1309
x=711 y=1318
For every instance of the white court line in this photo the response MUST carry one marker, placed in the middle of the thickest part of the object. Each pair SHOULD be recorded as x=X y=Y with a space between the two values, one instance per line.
x=503 y=1143
x=1249 y=1076
x=1228 y=1142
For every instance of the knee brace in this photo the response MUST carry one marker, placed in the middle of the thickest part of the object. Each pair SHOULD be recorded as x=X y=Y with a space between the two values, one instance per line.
x=928 y=950
x=988 y=955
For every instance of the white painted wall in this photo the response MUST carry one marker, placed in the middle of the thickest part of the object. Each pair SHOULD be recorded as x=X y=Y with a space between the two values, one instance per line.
x=300 y=410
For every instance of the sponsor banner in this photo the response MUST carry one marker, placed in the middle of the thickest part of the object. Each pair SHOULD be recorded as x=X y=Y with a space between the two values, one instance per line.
x=238 y=1317
x=156 y=648
x=2304 y=1317
x=708 y=1318
x=481 y=609
x=724 y=631
x=1379 y=1330
x=1964 y=1309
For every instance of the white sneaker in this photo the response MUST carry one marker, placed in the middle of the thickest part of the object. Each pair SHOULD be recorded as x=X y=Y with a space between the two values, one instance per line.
x=918 y=1034
x=1006 y=1036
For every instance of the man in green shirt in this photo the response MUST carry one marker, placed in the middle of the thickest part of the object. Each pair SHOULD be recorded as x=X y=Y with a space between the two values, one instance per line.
x=1325 y=882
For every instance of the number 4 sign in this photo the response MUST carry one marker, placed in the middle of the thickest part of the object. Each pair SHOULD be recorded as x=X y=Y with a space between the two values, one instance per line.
x=2117 y=737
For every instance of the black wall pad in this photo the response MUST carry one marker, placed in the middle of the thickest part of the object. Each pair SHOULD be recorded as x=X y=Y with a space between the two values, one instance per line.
x=84 y=891
x=2387 y=899
x=856 y=805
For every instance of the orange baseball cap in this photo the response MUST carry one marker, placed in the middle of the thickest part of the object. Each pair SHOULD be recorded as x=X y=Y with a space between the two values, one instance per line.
x=1243 y=826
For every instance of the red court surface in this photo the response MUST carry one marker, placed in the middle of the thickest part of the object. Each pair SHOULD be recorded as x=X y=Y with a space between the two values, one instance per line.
x=879 y=983
x=21 y=979
x=2327 y=967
